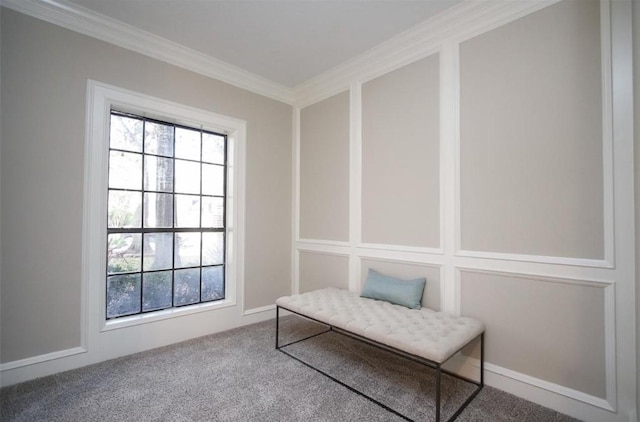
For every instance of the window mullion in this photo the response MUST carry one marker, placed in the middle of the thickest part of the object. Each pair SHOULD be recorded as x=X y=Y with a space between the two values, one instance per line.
x=200 y=214
x=173 y=222
x=142 y=219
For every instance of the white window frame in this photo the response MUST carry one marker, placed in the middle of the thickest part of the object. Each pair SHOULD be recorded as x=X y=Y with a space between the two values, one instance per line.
x=101 y=99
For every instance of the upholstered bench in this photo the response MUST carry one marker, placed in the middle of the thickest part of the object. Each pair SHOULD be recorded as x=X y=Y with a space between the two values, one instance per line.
x=423 y=335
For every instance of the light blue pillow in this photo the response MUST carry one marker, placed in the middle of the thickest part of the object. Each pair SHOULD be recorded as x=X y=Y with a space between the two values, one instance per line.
x=401 y=292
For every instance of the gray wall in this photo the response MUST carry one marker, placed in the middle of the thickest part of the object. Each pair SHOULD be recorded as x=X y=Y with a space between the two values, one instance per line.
x=400 y=156
x=44 y=74
x=324 y=169
x=319 y=270
x=541 y=327
x=531 y=157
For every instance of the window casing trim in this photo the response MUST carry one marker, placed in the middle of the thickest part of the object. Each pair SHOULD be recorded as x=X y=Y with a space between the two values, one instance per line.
x=101 y=99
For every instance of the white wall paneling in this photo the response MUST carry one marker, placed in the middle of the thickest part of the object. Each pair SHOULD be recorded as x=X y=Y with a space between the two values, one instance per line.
x=623 y=206
x=420 y=41
x=324 y=169
x=567 y=219
x=295 y=195
x=400 y=158
x=355 y=183
x=601 y=328
x=613 y=273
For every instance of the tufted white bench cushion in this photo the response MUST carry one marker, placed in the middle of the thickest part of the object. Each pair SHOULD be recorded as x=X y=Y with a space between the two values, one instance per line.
x=432 y=335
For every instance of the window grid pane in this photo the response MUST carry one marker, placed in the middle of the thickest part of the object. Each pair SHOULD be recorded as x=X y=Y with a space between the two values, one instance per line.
x=166 y=218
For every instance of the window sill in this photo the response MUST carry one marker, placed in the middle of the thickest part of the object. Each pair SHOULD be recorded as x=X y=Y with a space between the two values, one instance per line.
x=133 y=320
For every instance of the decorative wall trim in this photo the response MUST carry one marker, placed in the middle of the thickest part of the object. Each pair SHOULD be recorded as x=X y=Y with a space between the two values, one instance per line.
x=603 y=284
x=608 y=403
x=404 y=256
x=626 y=330
x=611 y=273
x=495 y=15
x=495 y=376
x=448 y=124
x=549 y=386
x=337 y=243
x=324 y=250
x=355 y=183
x=400 y=260
x=449 y=76
x=414 y=44
x=610 y=346
x=607 y=133
x=580 y=262
x=295 y=198
x=608 y=261
x=596 y=275
x=402 y=248
x=79 y=19
x=296 y=173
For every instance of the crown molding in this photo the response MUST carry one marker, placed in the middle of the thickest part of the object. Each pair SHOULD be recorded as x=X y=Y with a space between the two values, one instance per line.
x=467 y=19
x=463 y=21
x=87 y=22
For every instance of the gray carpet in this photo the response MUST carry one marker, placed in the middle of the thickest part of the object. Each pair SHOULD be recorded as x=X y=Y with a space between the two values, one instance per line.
x=239 y=376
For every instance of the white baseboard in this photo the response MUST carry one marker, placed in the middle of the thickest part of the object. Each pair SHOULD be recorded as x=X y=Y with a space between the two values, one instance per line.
x=562 y=399
x=267 y=308
x=41 y=358
x=27 y=369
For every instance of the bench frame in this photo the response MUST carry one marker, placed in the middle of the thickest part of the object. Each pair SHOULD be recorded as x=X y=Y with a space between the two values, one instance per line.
x=431 y=364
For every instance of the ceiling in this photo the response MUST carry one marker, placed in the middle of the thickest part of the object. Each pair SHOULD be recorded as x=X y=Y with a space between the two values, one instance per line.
x=285 y=41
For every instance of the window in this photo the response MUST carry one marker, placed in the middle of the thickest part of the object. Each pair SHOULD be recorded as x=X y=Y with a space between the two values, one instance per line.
x=166 y=215
x=150 y=252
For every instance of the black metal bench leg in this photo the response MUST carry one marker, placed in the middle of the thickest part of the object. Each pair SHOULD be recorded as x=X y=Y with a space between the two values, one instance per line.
x=438 y=382
x=482 y=360
x=277 y=325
